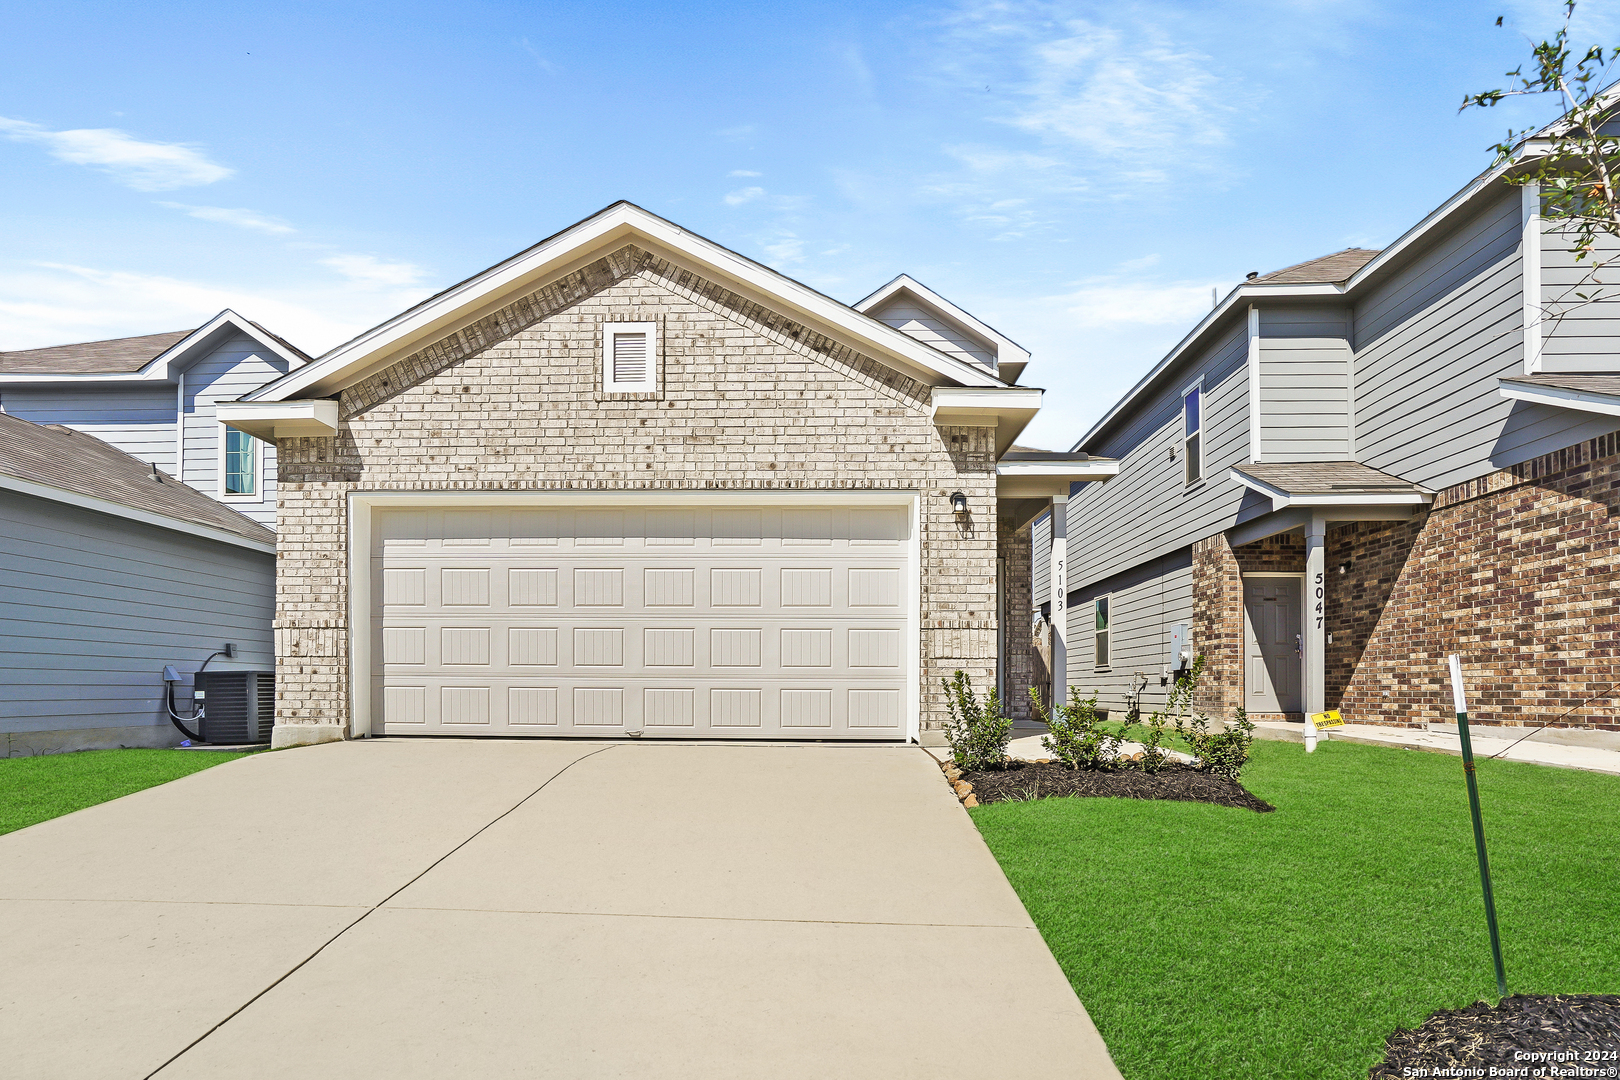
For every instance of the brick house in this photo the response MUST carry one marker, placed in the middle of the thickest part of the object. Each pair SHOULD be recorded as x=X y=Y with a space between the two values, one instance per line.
x=1353 y=467
x=629 y=482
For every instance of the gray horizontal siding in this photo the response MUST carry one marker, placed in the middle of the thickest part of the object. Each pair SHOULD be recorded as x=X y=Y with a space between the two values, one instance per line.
x=1579 y=334
x=1430 y=345
x=926 y=326
x=1147 y=511
x=236 y=367
x=1304 y=384
x=96 y=606
x=137 y=420
x=1041 y=561
x=1145 y=603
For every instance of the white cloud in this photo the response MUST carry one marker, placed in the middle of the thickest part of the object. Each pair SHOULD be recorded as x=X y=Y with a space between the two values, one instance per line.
x=744 y=195
x=144 y=166
x=786 y=248
x=1108 y=101
x=242 y=219
x=52 y=304
x=744 y=172
x=1109 y=304
x=370 y=271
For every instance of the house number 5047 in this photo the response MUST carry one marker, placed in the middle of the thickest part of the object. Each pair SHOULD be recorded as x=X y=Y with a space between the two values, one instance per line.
x=1319 y=595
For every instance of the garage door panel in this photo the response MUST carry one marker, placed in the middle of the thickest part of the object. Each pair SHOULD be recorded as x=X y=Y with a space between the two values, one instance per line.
x=725 y=622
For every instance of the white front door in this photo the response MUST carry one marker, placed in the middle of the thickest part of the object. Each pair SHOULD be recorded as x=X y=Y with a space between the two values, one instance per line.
x=698 y=621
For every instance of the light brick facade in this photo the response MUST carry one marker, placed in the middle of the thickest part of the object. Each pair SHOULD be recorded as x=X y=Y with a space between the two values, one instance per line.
x=1517 y=571
x=749 y=400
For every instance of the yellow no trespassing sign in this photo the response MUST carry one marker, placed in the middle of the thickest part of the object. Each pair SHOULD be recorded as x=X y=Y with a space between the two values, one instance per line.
x=1331 y=718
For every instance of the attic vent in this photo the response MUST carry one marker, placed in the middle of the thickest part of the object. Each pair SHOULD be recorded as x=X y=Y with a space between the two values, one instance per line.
x=630 y=357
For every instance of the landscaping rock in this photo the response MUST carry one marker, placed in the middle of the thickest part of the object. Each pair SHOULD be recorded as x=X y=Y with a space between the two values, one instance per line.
x=971 y=801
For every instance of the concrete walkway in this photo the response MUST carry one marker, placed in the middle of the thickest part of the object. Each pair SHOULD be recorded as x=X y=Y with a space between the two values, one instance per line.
x=1535 y=749
x=475 y=908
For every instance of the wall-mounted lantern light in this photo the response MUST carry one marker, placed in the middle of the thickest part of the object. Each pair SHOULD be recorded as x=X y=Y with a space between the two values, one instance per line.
x=958 y=503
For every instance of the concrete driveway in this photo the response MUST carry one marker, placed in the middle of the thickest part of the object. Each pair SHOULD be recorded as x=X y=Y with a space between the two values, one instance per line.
x=397 y=909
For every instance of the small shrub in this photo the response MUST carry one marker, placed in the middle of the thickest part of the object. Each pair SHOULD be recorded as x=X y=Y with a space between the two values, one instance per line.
x=1074 y=732
x=1222 y=753
x=977 y=732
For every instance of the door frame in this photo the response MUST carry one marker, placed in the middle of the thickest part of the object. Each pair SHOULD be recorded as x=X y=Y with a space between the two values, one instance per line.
x=362 y=504
x=1244 y=635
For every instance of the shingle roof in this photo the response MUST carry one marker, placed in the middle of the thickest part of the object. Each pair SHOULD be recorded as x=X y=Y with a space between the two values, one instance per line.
x=114 y=356
x=1329 y=269
x=1326 y=478
x=69 y=460
x=1586 y=384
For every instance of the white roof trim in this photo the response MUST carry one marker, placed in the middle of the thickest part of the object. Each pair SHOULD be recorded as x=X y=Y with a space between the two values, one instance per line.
x=1008 y=409
x=1008 y=351
x=1281 y=500
x=1562 y=397
x=167 y=364
x=1049 y=479
x=117 y=509
x=270 y=420
x=565 y=252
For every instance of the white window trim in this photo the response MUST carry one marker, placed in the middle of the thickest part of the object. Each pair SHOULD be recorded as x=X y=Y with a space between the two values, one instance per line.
x=258 y=466
x=1183 y=436
x=1108 y=662
x=611 y=330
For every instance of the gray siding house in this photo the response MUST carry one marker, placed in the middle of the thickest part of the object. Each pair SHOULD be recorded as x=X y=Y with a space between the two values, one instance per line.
x=153 y=397
x=111 y=569
x=1351 y=468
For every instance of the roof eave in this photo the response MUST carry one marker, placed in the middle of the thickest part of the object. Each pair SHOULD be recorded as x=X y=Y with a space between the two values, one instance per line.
x=166 y=365
x=582 y=243
x=117 y=509
x=1560 y=397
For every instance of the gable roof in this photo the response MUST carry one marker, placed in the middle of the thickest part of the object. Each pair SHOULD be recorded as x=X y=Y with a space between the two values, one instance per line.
x=114 y=355
x=1005 y=350
x=1335 y=268
x=54 y=462
x=577 y=246
x=147 y=358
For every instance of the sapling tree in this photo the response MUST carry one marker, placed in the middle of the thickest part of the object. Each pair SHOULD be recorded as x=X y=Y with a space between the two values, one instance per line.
x=1574 y=161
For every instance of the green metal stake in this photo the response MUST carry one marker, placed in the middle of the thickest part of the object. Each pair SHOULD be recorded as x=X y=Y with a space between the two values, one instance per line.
x=1461 y=704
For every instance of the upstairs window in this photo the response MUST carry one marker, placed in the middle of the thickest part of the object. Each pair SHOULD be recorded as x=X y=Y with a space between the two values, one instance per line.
x=1192 y=440
x=241 y=463
x=1100 y=613
x=630 y=358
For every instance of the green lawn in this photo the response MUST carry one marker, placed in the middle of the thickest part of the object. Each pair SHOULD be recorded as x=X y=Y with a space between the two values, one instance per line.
x=36 y=788
x=1207 y=942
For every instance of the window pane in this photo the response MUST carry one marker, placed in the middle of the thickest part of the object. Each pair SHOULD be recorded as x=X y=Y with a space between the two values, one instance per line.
x=1195 y=465
x=241 y=473
x=1102 y=613
x=1190 y=403
x=1102 y=649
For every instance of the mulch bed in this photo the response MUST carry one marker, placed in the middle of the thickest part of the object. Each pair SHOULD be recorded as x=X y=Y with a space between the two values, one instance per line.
x=1582 y=1030
x=1032 y=780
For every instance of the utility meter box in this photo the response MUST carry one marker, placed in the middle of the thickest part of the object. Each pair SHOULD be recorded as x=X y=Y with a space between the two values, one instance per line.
x=1180 y=647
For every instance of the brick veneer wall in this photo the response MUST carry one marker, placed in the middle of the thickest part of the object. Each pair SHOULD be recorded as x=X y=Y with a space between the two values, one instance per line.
x=749 y=400
x=1517 y=571
x=1018 y=661
x=1218 y=610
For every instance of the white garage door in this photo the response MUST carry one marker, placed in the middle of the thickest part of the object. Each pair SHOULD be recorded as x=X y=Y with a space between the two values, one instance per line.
x=724 y=622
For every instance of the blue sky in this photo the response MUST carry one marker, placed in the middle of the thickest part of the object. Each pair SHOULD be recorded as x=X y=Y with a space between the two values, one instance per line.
x=1080 y=175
